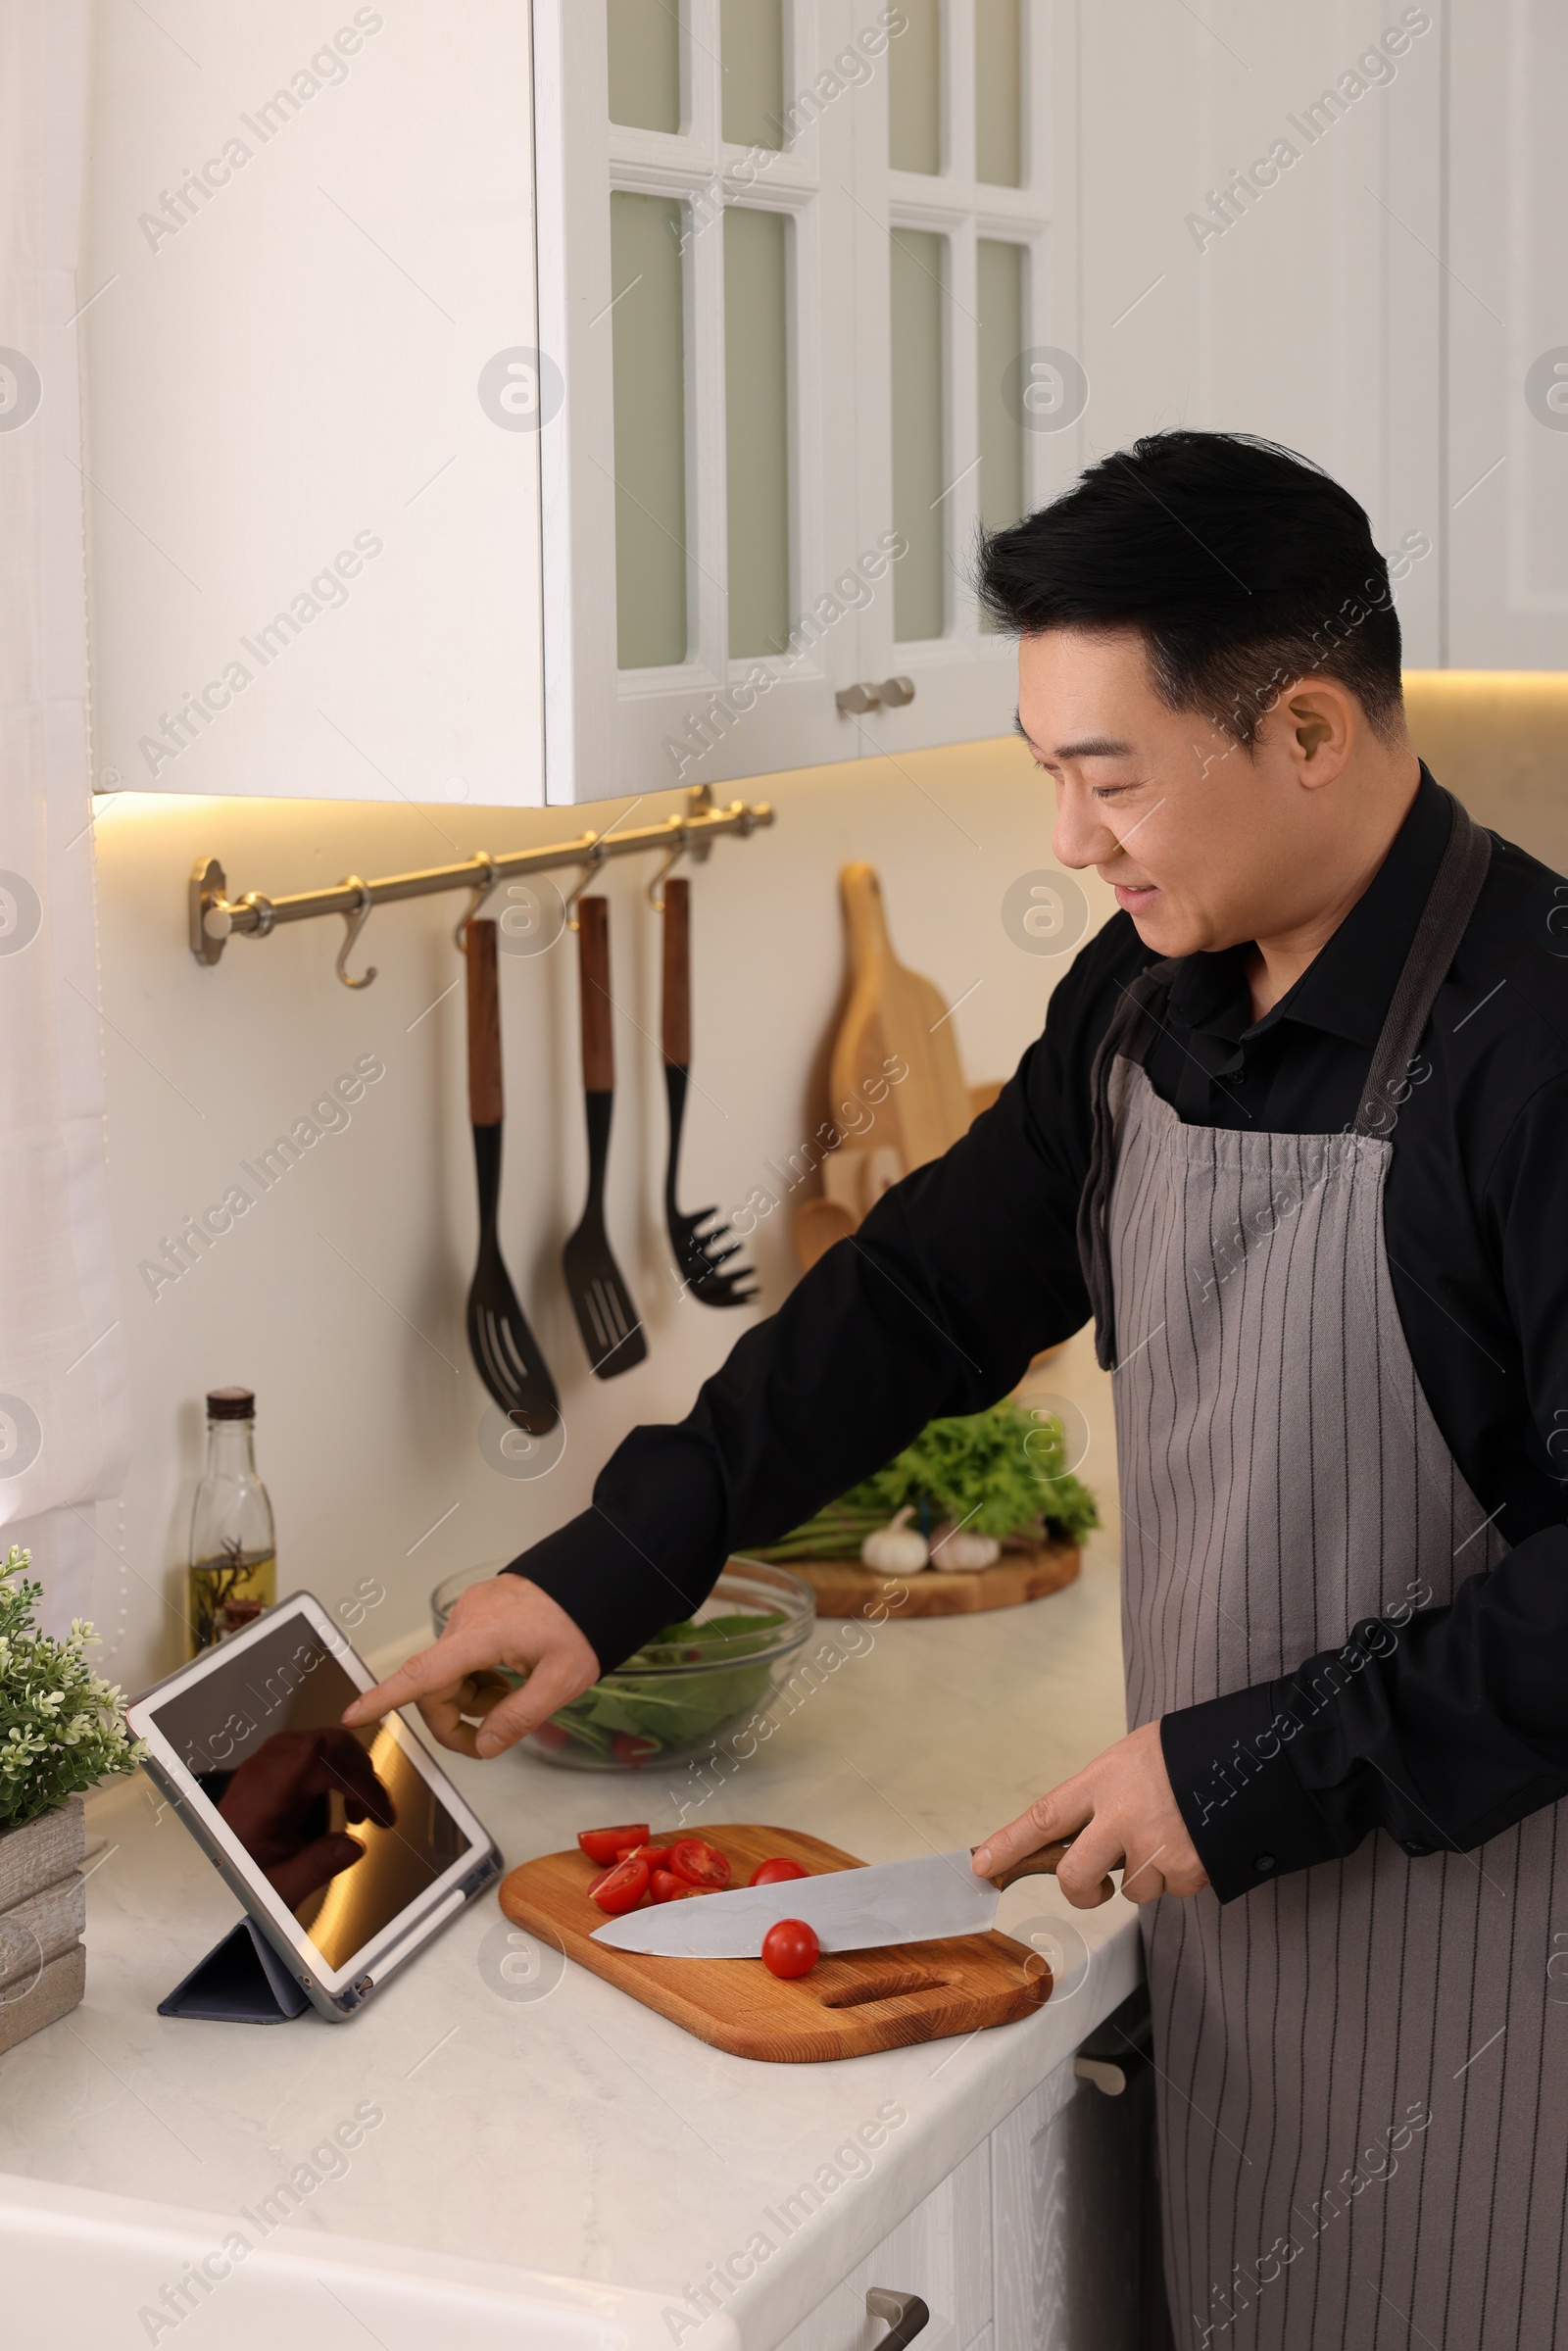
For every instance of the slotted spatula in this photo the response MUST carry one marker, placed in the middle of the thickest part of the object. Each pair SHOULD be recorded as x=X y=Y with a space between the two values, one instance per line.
x=611 y=1326
x=505 y=1352
x=701 y=1256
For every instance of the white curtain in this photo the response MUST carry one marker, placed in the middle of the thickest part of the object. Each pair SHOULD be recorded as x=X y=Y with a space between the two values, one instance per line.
x=64 y=1419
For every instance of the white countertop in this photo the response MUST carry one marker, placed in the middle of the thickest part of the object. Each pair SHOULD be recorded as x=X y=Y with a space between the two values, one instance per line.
x=559 y=2126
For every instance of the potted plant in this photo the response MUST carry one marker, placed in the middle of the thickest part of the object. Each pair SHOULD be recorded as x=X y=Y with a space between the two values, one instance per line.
x=62 y=1729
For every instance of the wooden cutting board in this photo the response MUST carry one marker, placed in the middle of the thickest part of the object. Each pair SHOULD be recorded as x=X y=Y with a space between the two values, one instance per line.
x=853 y=2002
x=894 y=1014
x=845 y=1588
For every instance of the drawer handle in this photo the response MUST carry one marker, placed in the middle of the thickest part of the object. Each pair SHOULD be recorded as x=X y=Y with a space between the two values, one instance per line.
x=1104 y=2072
x=906 y=2314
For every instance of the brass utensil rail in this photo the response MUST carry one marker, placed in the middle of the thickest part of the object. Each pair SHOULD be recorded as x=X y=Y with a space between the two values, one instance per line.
x=216 y=918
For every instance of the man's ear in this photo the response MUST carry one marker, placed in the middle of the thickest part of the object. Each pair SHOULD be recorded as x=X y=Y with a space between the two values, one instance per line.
x=1317 y=721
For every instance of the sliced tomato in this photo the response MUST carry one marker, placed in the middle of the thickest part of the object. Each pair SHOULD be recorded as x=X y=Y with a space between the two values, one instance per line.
x=775 y=1873
x=664 y=1887
x=701 y=1865
x=656 y=1856
x=628 y=1747
x=551 y=1735
x=789 y=1948
x=607 y=1845
x=622 y=1888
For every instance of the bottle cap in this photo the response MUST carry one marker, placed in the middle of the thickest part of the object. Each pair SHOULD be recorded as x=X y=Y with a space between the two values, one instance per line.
x=230 y=1404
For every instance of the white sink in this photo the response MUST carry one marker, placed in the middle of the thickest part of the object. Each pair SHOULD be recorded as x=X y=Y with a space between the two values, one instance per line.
x=89 y=2271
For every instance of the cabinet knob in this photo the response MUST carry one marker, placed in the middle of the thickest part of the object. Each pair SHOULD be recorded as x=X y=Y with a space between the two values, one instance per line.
x=1104 y=2072
x=891 y=695
x=906 y=2314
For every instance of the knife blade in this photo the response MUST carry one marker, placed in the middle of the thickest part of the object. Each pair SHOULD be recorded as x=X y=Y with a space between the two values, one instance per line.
x=849 y=1910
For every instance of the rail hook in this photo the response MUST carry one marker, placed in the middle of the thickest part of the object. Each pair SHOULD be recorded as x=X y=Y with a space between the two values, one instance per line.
x=479 y=893
x=656 y=888
x=593 y=859
x=353 y=926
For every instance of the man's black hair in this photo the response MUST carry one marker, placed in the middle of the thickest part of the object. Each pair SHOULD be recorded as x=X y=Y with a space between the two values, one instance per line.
x=1243 y=564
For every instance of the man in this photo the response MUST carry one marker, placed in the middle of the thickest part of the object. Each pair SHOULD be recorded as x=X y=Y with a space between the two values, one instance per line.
x=1294 y=1134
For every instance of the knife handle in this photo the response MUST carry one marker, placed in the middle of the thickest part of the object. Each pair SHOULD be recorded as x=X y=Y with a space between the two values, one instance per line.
x=593 y=952
x=1033 y=1865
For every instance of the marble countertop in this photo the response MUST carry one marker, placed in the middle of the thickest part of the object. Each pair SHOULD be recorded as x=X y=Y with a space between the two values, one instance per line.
x=552 y=2122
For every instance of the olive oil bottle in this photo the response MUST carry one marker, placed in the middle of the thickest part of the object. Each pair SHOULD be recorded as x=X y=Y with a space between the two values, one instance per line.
x=234 y=1553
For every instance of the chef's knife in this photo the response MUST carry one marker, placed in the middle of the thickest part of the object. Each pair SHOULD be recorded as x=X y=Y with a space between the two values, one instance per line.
x=849 y=1910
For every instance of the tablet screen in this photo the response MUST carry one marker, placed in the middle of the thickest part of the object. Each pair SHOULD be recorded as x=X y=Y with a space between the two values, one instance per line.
x=340 y=1823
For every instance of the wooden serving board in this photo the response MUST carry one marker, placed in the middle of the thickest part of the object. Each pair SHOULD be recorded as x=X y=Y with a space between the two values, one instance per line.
x=843 y=1587
x=853 y=2002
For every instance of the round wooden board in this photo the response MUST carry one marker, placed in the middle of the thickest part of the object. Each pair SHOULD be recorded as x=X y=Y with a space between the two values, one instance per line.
x=843 y=1587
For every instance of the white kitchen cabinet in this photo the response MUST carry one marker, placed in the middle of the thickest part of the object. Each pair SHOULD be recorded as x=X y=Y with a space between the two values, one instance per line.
x=1037 y=2241
x=1506 y=335
x=1067 y=2173
x=941 y=2251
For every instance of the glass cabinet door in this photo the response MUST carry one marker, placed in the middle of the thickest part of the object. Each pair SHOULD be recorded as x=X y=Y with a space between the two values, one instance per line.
x=792 y=254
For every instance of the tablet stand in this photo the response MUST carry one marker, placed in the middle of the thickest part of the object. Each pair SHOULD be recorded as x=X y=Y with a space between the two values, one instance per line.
x=240 y=1981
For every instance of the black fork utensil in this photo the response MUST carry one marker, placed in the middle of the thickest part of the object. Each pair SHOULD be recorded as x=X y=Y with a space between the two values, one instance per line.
x=612 y=1329
x=506 y=1353
x=702 y=1257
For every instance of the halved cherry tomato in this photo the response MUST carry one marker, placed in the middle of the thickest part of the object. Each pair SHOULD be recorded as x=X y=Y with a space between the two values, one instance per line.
x=789 y=1948
x=700 y=1864
x=622 y=1888
x=775 y=1873
x=664 y=1887
x=656 y=1856
x=607 y=1845
x=628 y=1747
x=551 y=1735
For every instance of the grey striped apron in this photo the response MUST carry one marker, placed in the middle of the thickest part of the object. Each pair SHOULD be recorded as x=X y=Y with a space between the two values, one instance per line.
x=1363 y=2066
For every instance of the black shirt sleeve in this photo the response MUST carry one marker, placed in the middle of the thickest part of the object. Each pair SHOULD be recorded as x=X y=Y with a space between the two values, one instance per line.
x=959 y=1276
x=1442 y=1725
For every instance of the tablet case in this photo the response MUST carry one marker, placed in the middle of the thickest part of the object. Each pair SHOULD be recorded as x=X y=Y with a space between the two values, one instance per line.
x=240 y=1981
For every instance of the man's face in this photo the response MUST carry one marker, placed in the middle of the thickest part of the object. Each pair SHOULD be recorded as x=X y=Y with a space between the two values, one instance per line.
x=1205 y=844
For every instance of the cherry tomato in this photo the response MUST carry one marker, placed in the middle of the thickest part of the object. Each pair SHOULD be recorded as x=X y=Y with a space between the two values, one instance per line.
x=656 y=1856
x=607 y=1845
x=775 y=1873
x=664 y=1887
x=789 y=1948
x=551 y=1735
x=701 y=1865
x=627 y=1747
x=622 y=1888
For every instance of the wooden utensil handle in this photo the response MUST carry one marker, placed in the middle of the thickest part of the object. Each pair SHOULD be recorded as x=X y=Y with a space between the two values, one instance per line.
x=485 y=1099
x=677 y=991
x=593 y=965
x=1033 y=1865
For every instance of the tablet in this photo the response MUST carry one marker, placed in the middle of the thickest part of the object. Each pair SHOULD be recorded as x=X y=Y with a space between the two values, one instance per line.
x=350 y=1849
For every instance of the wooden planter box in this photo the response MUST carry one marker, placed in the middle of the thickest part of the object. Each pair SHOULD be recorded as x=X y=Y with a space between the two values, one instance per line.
x=43 y=1910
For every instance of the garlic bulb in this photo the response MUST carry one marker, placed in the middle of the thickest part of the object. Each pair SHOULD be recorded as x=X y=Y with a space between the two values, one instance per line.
x=898 y=1549
x=960 y=1554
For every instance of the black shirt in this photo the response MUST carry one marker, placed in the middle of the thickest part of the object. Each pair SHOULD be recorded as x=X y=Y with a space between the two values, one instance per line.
x=970 y=1267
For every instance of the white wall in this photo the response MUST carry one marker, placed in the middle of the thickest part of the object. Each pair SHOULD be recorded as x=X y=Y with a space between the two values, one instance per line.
x=298 y=365
x=339 y=1295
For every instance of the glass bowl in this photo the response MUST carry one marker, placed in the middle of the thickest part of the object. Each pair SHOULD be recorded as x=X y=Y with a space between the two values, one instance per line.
x=676 y=1697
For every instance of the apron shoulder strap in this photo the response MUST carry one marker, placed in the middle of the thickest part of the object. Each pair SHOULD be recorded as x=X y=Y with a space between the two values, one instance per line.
x=1431 y=952
x=1129 y=1033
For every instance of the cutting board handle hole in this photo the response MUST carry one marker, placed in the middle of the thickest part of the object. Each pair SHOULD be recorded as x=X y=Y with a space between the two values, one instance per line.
x=881 y=1987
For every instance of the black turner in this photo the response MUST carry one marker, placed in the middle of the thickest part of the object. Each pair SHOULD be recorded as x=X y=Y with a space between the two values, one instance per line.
x=702 y=1242
x=505 y=1352
x=611 y=1326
